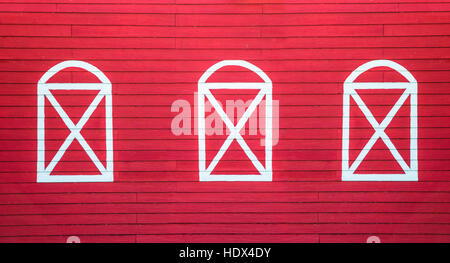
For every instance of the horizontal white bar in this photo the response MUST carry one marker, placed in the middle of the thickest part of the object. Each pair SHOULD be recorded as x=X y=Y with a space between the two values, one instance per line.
x=409 y=176
x=236 y=178
x=235 y=85
x=380 y=85
x=74 y=86
x=41 y=178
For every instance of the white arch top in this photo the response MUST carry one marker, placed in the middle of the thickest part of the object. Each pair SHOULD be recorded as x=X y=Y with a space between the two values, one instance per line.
x=380 y=63
x=241 y=63
x=73 y=64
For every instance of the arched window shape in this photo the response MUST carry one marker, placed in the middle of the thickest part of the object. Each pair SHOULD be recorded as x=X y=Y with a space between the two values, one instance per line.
x=264 y=90
x=44 y=91
x=350 y=90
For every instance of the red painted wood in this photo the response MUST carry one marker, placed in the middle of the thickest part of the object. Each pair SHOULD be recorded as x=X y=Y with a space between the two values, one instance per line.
x=138 y=208
x=395 y=238
x=34 y=30
x=165 y=186
x=63 y=239
x=226 y=229
x=235 y=238
x=45 y=219
x=154 y=53
x=365 y=218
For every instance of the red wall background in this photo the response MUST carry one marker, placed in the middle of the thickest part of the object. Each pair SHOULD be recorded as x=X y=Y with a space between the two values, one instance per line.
x=154 y=52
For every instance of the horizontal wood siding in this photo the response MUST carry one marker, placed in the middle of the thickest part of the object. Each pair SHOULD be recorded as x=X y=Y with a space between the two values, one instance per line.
x=154 y=53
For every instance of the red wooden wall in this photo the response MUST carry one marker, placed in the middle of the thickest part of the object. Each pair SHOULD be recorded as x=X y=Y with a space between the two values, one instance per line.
x=154 y=52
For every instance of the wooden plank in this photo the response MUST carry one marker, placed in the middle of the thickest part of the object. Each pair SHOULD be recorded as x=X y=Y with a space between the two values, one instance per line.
x=86 y=42
x=151 y=8
x=63 y=239
x=384 y=238
x=384 y=197
x=387 y=218
x=97 y=1
x=135 y=208
x=204 y=54
x=96 y=219
x=328 y=30
x=310 y=19
x=225 y=9
x=219 y=238
x=34 y=30
x=188 y=78
x=68 y=230
x=198 y=2
x=164 y=187
x=199 y=66
x=87 y=19
x=299 y=39
x=68 y=198
x=30 y=7
x=232 y=218
x=223 y=228
x=416 y=30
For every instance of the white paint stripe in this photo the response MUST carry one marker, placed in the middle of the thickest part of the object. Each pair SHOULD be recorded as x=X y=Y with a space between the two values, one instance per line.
x=235 y=85
x=60 y=153
x=380 y=85
x=41 y=131
x=75 y=132
x=74 y=86
x=234 y=177
x=201 y=130
x=235 y=131
x=379 y=131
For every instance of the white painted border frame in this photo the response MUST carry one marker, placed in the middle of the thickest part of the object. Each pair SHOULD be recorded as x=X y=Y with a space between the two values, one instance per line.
x=105 y=90
x=411 y=172
x=204 y=91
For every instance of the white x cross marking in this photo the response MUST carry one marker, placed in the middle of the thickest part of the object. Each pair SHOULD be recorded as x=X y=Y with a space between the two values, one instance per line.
x=235 y=131
x=75 y=132
x=379 y=130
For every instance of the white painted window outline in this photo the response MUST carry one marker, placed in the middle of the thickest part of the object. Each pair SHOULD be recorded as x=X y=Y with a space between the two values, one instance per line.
x=104 y=87
x=265 y=173
x=410 y=172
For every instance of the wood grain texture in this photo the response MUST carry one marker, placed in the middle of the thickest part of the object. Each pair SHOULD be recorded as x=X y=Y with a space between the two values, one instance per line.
x=154 y=53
